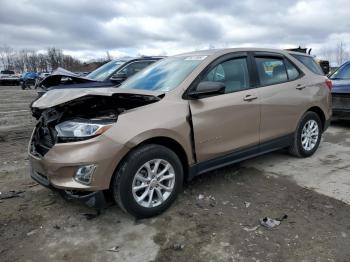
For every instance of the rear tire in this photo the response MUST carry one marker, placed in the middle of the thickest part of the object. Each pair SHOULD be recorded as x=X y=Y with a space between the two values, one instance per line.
x=147 y=181
x=307 y=137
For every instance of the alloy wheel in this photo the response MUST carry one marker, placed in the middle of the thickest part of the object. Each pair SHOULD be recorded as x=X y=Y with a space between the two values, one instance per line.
x=310 y=135
x=153 y=183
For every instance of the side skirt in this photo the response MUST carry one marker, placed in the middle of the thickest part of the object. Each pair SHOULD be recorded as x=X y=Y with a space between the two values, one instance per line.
x=240 y=155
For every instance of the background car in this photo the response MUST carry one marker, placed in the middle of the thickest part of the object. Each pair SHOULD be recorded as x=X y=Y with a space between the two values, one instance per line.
x=112 y=73
x=341 y=92
x=8 y=77
x=41 y=77
x=28 y=79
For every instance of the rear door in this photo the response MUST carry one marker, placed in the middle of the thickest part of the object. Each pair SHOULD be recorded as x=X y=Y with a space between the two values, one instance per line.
x=227 y=122
x=281 y=95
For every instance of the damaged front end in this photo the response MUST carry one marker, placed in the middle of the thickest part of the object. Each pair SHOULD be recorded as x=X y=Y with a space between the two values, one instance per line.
x=68 y=116
x=82 y=118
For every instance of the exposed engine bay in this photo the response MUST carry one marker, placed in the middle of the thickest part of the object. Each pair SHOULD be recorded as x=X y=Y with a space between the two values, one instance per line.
x=93 y=111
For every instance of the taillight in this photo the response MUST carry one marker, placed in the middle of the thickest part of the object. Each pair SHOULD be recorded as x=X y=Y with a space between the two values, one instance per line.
x=329 y=84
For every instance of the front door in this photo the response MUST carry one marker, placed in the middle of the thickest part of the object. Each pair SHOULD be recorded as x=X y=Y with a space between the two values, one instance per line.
x=227 y=122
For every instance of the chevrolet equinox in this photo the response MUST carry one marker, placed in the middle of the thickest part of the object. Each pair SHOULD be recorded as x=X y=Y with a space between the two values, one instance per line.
x=180 y=117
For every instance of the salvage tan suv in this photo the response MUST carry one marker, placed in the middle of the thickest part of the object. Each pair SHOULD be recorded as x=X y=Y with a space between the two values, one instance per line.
x=180 y=117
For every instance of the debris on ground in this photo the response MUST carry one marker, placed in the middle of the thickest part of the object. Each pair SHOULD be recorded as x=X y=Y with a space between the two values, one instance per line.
x=224 y=244
x=114 y=249
x=200 y=197
x=56 y=227
x=250 y=229
x=199 y=205
x=211 y=198
x=247 y=204
x=11 y=194
x=33 y=184
x=270 y=222
x=178 y=246
x=32 y=232
x=49 y=203
x=90 y=216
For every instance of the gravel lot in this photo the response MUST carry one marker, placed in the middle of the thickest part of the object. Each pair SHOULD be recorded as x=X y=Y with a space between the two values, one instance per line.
x=214 y=219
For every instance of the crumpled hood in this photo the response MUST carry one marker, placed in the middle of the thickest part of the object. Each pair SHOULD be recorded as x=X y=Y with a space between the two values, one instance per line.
x=55 y=78
x=60 y=96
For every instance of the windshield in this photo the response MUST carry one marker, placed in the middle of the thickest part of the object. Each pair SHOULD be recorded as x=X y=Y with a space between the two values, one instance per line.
x=165 y=75
x=342 y=72
x=103 y=72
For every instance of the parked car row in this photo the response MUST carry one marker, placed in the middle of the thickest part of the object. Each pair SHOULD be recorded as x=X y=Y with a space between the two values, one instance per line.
x=177 y=118
x=8 y=77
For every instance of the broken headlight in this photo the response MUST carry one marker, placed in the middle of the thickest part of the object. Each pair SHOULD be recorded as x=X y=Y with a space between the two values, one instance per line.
x=80 y=129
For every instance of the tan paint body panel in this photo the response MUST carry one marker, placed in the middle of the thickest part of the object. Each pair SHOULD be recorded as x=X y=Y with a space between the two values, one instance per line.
x=62 y=161
x=225 y=123
x=222 y=123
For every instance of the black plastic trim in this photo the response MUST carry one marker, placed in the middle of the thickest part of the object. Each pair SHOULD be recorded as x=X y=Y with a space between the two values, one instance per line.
x=240 y=155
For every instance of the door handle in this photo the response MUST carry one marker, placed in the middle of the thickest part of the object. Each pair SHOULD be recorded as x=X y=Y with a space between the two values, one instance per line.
x=300 y=87
x=249 y=98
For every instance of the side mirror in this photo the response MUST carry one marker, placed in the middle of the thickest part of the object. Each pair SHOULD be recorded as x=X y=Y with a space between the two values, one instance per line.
x=119 y=76
x=207 y=88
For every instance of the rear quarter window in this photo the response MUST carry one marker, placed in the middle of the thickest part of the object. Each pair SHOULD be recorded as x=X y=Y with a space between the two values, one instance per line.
x=310 y=63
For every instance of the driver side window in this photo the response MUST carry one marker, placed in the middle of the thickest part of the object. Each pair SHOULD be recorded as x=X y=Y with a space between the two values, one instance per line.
x=233 y=73
x=133 y=68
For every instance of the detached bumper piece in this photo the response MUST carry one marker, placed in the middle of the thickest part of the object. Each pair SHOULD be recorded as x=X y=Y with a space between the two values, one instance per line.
x=96 y=199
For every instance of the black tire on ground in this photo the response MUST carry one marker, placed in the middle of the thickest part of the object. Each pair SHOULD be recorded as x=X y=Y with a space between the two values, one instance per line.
x=296 y=147
x=121 y=185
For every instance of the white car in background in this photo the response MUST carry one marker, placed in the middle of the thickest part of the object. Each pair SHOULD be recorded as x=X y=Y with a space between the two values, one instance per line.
x=8 y=77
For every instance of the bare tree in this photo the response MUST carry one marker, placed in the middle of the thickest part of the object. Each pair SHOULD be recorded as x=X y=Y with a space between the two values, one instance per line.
x=31 y=60
x=42 y=63
x=7 y=56
x=342 y=55
x=19 y=64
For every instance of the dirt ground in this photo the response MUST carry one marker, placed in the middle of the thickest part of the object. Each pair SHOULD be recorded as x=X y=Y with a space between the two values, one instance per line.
x=214 y=219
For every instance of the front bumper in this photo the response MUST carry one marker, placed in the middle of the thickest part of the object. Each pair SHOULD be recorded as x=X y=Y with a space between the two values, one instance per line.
x=94 y=199
x=58 y=166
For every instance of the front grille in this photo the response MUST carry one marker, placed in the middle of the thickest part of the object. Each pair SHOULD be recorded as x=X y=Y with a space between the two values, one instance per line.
x=43 y=140
x=341 y=101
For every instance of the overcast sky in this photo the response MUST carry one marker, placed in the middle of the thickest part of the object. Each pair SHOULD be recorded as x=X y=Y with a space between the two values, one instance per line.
x=87 y=29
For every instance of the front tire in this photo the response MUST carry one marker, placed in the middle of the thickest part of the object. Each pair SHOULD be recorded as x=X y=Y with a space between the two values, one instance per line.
x=307 y=136
x=148 y=181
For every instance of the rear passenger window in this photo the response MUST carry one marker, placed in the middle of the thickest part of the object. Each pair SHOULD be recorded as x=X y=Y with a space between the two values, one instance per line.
x=233 y=73
x=271 y=70
x=292 y=71
x=310 y=63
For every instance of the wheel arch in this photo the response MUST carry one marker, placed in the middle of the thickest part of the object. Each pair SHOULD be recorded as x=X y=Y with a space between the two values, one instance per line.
x=168 y=142
x=320 y=114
